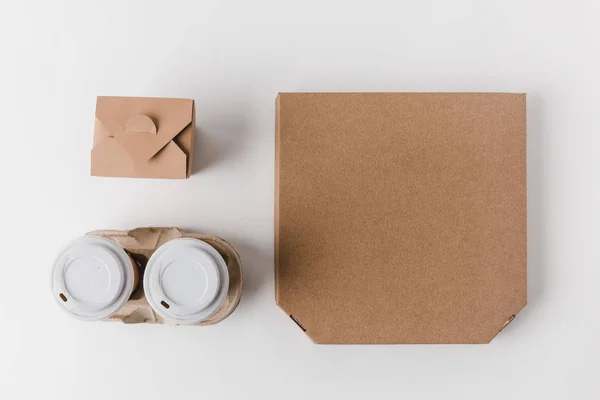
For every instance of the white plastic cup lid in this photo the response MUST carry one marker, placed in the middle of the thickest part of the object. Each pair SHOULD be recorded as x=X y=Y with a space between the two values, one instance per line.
x=92 y=278
x=186 y=281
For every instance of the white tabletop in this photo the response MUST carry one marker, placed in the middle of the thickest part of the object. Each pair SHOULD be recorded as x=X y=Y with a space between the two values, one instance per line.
x=233 y=57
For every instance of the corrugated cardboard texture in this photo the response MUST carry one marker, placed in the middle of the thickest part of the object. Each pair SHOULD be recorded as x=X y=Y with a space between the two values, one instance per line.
x=141 y=244
x=401 y=217
x=143 y=137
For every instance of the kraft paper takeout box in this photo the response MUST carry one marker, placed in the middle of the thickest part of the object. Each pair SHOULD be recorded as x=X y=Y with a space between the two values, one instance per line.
x=143 y=137
x=141 y=243
x=401 y=217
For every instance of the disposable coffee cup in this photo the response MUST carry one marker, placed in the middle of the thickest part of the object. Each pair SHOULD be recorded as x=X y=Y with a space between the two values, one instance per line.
x=186 y=281
x=93 y=277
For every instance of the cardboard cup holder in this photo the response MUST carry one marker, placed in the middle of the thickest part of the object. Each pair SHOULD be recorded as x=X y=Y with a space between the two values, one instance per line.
x=194 y=279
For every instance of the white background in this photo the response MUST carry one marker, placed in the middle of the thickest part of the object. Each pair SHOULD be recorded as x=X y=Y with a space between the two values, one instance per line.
x=233 y=57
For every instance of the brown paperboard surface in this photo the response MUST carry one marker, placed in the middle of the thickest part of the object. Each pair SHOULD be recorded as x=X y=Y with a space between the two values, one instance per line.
x=141 y=243
x=143 y=137
x=401 y=217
